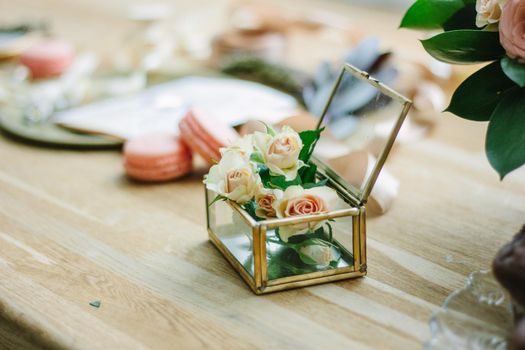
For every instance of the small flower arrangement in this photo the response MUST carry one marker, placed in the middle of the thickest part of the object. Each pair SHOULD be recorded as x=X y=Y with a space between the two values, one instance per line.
x=483 y=31
x=270 y=175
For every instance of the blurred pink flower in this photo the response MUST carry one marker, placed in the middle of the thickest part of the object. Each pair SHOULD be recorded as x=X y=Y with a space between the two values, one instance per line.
x=512 y=29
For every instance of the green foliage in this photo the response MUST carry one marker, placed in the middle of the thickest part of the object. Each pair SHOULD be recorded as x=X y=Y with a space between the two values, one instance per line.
x=315 y=184
x=505 y=142
x=272 y=181
x=464 y=46
x=286 y=259
x=514 y=70
x=317 y=238
x=250 y=208
x=216 y=199
x=257 y=157
x=309 y=139
x=269 y=130
x=286 y=262
x=463 y=19
x=477 y=97
x=494 y=93
x=430 y=14
x=307 y=174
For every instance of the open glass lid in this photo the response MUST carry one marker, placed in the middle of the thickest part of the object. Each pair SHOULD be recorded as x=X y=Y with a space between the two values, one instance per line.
x=362 y=118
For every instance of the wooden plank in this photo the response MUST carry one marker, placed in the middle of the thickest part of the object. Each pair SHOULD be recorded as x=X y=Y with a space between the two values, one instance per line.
x=74 y=230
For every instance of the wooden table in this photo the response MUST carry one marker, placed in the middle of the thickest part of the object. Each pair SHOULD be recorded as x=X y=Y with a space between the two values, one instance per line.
x=74 y=230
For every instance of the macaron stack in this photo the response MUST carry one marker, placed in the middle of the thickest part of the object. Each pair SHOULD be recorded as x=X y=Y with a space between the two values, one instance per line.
x=206 y=136
x=48 y=58
x=163 y=156
x=157 y=157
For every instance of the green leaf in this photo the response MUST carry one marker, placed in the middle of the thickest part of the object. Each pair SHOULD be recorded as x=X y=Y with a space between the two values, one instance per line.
x=464 y=46
x=298 y=239
x=216 y=199
x=257 y=157
x=264 y=174
x=250 y=207
x=280 y=182
x=477 y=97
x=271 y=181
x=430 y=14
x=315 y=184
x=309 y=139
x=514 y=70
x=505 y=142
x=307 y=173
x=269 y=130
x=330 y=232
x=462 y=19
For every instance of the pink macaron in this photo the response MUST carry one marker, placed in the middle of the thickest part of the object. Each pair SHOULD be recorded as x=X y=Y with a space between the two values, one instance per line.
x=48 y=58
x=206 y=135
x=157 y=157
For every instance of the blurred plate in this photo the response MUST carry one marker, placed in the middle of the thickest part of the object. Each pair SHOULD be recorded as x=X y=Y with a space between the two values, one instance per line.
x=13 y=122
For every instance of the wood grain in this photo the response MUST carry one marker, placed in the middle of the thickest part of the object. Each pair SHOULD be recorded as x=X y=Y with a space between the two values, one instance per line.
x=73 y=229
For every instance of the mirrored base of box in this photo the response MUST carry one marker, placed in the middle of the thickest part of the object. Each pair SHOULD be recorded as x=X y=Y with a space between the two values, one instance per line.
x=285 y=271
x=282 y=260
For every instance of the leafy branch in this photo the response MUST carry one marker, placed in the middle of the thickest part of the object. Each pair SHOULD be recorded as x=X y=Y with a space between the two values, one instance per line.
x=493 y=94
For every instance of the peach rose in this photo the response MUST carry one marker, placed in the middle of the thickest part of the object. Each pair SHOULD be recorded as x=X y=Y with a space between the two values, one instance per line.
x=297 y=201
x=265 y=199
x=512 y=29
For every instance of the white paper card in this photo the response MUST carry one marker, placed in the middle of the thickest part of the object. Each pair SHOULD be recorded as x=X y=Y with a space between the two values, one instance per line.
x=160 y=108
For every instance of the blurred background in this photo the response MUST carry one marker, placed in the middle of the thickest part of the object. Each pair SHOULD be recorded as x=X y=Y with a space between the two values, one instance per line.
x=394 y=4
x=105 y=49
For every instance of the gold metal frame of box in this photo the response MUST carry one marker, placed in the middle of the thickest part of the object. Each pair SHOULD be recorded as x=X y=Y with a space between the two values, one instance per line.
x=362 y=195
x=259 y=283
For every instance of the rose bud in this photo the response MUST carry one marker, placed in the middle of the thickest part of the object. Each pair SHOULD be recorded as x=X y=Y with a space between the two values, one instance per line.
x=265 y=199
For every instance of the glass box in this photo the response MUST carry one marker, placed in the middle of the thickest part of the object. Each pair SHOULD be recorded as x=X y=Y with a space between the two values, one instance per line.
x=349 y=157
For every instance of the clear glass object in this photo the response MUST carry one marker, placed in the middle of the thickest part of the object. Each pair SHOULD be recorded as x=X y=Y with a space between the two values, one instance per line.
x=335 y=246
x=475 y=317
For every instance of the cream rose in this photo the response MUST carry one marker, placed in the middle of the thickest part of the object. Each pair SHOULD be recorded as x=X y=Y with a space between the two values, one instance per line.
x=243 y=146
x=512 y=29
x=234 y=177
x=488 y=12
x=297 y=201
x=264 y=199
x=280 y=152
x=319 y=254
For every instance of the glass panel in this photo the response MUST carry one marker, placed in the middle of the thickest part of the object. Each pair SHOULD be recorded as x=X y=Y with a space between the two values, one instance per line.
x=308 y=247
x=232 y=231
x=359 y=121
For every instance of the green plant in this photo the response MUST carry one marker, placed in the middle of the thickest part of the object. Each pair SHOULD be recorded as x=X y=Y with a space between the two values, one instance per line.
x=495 y=93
